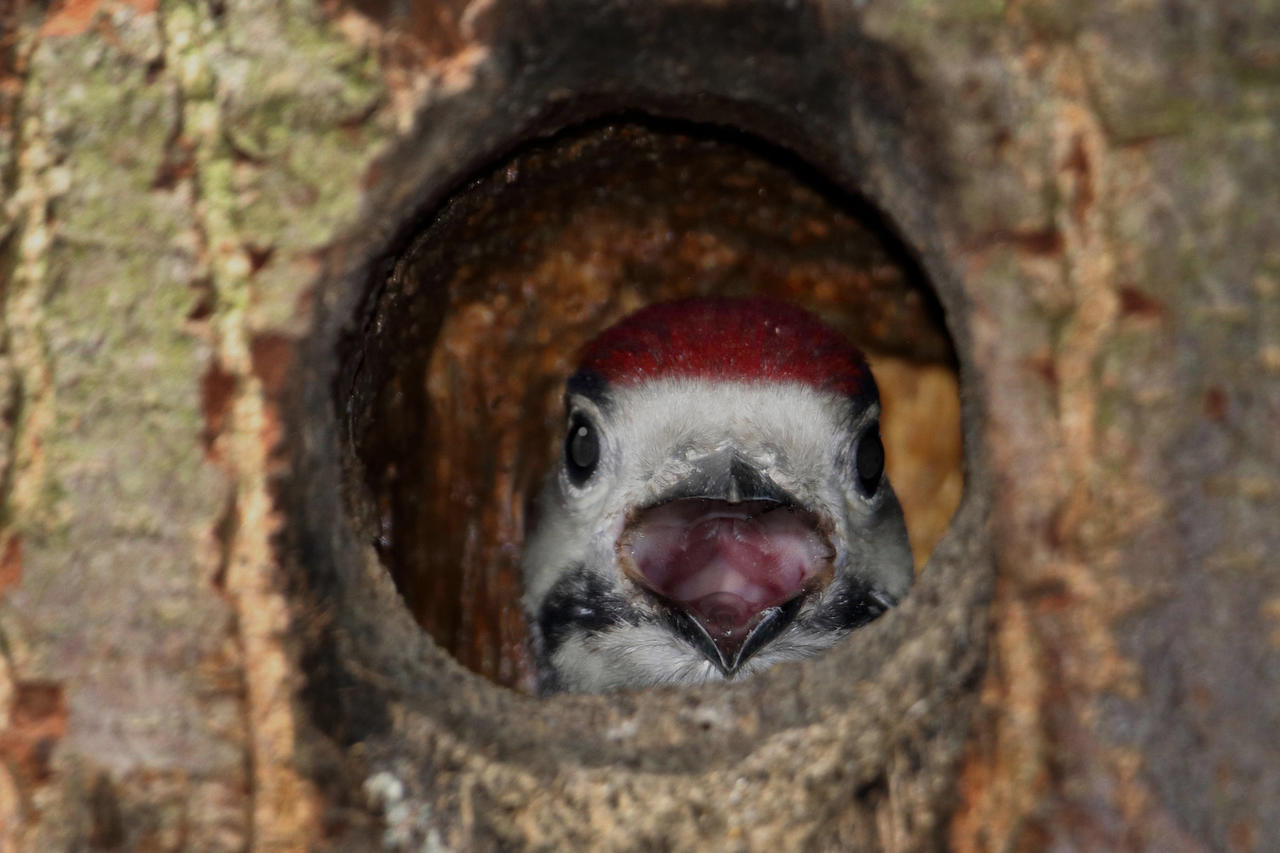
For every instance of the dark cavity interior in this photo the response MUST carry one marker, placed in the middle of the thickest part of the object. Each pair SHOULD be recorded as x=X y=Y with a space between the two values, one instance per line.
x=453 y=381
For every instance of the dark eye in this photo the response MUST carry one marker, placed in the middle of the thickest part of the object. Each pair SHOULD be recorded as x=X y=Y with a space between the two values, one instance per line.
x=870 y=460
x=581 y=449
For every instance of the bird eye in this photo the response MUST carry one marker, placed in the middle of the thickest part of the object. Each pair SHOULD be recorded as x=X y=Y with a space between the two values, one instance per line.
x=581 y=449
x=870 y=460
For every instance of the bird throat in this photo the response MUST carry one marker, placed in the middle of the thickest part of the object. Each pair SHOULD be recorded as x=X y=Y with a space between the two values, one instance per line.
x=728 y=566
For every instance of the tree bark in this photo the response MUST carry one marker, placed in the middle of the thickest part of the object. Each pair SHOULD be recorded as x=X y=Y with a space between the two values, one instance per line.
x=199 y=646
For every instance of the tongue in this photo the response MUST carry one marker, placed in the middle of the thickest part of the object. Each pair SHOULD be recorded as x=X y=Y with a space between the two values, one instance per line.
x=726 y=563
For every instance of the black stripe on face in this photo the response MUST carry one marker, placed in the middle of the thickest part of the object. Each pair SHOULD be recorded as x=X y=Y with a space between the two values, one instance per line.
x=850 y=605
x=593 y=386
x=581 y=602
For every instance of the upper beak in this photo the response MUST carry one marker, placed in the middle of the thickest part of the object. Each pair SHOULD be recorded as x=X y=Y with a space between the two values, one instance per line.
x=727 y=476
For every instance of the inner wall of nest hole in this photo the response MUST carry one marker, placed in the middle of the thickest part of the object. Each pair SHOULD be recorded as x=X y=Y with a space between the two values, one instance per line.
x=479 y=324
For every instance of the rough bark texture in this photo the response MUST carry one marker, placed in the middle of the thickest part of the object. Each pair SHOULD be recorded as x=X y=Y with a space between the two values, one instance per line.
x=199 y=649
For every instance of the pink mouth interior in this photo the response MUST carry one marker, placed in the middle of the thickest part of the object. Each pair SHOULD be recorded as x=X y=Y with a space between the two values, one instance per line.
x=726 y=563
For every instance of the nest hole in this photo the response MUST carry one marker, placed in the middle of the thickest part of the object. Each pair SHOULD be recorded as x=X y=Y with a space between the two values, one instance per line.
x=454 y=414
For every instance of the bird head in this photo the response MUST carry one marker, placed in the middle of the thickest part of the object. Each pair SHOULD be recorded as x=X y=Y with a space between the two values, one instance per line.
x=719 y=504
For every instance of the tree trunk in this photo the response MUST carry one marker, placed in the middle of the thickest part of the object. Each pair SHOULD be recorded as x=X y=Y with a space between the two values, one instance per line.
x=203 y=207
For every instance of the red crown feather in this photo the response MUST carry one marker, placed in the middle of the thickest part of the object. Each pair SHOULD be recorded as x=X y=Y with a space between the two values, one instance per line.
x=752 y=339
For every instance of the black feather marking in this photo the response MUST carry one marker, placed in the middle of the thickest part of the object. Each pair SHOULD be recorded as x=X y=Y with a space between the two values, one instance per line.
x=864 y=398
x=851 y=605
x=593 y=386
x=580 y=602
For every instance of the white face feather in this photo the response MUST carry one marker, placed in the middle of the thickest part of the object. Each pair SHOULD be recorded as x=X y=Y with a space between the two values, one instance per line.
x=652 y=436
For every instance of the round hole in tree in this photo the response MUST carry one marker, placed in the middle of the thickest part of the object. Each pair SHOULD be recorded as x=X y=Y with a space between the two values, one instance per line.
x=456 y=414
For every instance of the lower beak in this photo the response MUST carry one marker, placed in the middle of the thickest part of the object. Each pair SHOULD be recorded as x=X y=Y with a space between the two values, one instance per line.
x=728 y=652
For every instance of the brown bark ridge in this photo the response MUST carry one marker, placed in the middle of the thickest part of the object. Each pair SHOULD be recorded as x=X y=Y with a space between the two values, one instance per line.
x=199 y=646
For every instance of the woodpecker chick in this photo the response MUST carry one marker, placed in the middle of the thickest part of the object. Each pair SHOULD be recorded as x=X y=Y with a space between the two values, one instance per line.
x=719 y=504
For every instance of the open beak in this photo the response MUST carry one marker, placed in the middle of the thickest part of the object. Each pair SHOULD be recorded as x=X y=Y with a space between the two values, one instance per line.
x=731 y=557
